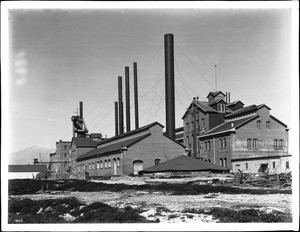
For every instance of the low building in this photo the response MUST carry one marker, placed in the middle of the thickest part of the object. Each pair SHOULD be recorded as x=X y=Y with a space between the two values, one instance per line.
x=25 y=171
x=130 y=152
x=250 y=139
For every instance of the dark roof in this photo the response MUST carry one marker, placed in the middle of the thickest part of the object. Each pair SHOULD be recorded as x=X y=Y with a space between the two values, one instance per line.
x=234 y=103
x=84 y=142
x=215 y=102
x=203 y=105
x=228 y=125
x=96 y=135
x=141 y=129
x=27 y=168
x=242 y=110
x=214 y=94
x=110 y=149
x=183 y=163
x=277 y=120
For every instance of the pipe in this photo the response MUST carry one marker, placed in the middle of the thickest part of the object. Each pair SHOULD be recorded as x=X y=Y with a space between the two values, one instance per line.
x=127 y=96
x=81 y=110
x=136 y=106
x=121 y=127
x=169 y=85
x=116 y=119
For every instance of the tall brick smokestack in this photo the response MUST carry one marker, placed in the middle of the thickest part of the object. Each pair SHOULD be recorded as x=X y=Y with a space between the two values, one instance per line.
x=136 y=105
x=127 y=95
x=81 y=110
x=116 y=119
x=169 y=85
x=121 y=125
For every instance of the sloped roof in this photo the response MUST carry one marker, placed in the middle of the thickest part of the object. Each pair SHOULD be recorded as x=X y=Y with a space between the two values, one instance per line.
x=203 y=105
x=141 y=129
x=242 y=110
x=277 y=120
x=229 y=125
x=215 y=102
x=84 y=142
x=234 y=103
x=27 y=168
x=109 y=149
x=183 y=163
x=214 y=94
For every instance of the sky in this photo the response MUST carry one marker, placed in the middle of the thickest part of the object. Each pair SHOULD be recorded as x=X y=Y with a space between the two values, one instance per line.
x=60 y=57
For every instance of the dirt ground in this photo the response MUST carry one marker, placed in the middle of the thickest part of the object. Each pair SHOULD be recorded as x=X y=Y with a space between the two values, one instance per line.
x=168 y=208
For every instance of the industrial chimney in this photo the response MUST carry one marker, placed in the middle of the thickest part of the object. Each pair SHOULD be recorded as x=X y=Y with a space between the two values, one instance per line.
x=121 y=125
x=116 y=119
x=136 y=106
x=127 y=96
x=81 y=110
x=169 y=86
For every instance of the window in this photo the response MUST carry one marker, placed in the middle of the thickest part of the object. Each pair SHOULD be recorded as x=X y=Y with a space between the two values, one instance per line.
x=78 y=168
x=221 y=108
x=101 y=164
x=208 y=145
x=65 y=147
x=98 y=164
x=224 y=142
x=93 y=166
x=254 y=143
x=249 y=144
x=109 y=164
x=187 y=126
x=66 y=155
x=221 y=162
x=258 y=124
x=273 y=165
x=205 y=146
x=268 y=124
x=287 y=164
x=156 y=161
x=89 y=166
x=105 y=163
x=246 y=166
x=275 y=144
x=118 y=162
x=220 y=143
x=202 y=122
x=225 y=162
x=280 y=144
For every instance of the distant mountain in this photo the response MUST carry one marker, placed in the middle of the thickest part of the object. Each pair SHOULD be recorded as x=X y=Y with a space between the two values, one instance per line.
x=27 y=155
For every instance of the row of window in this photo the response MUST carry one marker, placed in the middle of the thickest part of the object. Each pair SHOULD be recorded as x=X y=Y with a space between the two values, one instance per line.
x=252 y=144
x=222 y=144
x=99 y=165
x=258 y=124
x=278 y=144
x=198 y=125
x=287 y=165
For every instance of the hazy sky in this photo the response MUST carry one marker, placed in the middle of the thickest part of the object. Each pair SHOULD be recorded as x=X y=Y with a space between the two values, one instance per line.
x=61 y=57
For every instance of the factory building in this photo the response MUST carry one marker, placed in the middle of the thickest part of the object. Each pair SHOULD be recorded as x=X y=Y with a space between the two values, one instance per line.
x=130 y=152
x=242 y=138
x=60 y=160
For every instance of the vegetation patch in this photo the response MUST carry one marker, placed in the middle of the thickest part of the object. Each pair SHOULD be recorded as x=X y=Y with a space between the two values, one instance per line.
x=19 y=187
x=244 y=215
x=67 y=210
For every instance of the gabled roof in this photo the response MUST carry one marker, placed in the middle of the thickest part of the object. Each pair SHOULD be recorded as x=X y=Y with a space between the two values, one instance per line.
x=136 y=131
x=242 y=111
x=84 y=142
x=263 y=105
x=111 y=149
x=234 y=103
x=202 y=105
x=277 y=120
x=229 y=126
x=215 y=102
x=214 y=94
x=183 y=163
x=27 y=168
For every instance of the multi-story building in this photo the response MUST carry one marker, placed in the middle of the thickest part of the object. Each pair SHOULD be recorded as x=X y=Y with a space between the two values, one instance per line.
x=246 y=138
x=60 y=160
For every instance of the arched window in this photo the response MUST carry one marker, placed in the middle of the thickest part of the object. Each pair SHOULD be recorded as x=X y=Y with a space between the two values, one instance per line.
x=268 y=124
x=258 y=124
x=98 y=164
x=118 y=162
x=101 y=164
x=89 y=166
x=78 y=168
x=220 y=143
x=249 y=144
x=105 y=163
x=208 y=145
x=93 y=166
x=109 y=164
x=254 y=143
x=221 y=162
x=224 y=142
x=281 y=144
x=225 y=162
x=275 y=144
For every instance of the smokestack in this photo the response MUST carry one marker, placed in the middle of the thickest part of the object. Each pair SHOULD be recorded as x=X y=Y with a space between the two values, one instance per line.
x=81 y=110
x=127 y=95
x=116 y=119
x=228 y=97
x=136 y=106
x=121 y=127
x=169 y=85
